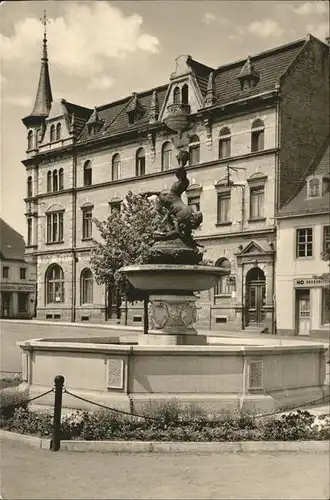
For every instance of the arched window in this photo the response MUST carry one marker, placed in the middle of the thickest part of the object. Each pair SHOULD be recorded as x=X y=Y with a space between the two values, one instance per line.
x=30 y=140
x=49 y=181
x=194 y=147
x=225 y=143
x=314 y=187
x=140 y=165
x=52 y=133
x=88 y=173
x=58 y=131
x=185 y=94
x=55 y=181
x=166 y=156
x=29 y=186
x=176 y=95
x=54 y=285
x=60 y=179
x=115 y=167
x=86 y=287
x=223 y=285
x=257 y=135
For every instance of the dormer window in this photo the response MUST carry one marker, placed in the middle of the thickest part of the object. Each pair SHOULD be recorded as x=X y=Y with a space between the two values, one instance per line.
x=248 y=76
x=94 y=123
x=314 y=187
x=134 y=111
x=52 y=133
x=176 y=96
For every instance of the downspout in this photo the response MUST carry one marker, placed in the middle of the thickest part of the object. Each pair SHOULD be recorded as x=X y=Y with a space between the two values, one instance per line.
x=276 y=202
x=74 y=235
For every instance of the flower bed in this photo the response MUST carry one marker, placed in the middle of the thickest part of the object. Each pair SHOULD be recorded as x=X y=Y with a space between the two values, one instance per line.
x=169 y=422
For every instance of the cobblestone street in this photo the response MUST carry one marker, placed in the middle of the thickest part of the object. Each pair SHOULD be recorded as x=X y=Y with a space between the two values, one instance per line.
x=33 y=473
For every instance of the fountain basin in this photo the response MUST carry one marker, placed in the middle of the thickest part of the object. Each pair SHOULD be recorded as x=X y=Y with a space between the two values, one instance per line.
x=173 y=277
x=126 y=376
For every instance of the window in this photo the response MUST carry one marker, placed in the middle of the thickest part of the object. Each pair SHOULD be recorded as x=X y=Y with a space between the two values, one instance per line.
x=29 y=231
x=30 y=140
x=223 y=207
x=176 y=96
x=55 y=181
x=115 y=168
x=326 y=240
x=22 y=273
x=58 y=131
x=86 y=287
x=325 y=306
x=115 y=206
x=140 y=168
x=5 y=272
x=29 y=186
x=314 y=187
x=87 y=223
x=88 y=173
x=22 y=302
x=60 y=179
x=52 y=133
x=166 y=156
x=257 y=135
x=225 y=143
x=223 y=285
x=304 y=242
x=54 y=227
x=194 y=202
x=257 y=195
x=194 y=148
x=54 y=284
x=185 y=94
x=49 y=181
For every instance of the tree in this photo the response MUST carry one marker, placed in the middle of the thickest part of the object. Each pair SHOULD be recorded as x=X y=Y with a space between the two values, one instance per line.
x=127 y=235
x=325 y=276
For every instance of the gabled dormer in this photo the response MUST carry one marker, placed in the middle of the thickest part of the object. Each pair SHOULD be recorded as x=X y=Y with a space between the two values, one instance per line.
x=248 y=76
x=57 y=127
x=317 y=186
x=184 y=94
x=94 y=123
x=134 y=110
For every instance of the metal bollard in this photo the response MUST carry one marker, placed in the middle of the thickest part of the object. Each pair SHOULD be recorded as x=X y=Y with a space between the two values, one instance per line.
x=56 y=441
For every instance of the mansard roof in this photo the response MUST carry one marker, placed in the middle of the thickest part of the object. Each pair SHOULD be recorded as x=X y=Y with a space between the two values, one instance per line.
x=299 y=203
x=270 y=65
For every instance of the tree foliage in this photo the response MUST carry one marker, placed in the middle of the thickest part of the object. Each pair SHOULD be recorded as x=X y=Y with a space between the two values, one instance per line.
x=126 y=239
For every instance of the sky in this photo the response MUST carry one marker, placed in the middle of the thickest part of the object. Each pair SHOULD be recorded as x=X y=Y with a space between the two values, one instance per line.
x=100 y=51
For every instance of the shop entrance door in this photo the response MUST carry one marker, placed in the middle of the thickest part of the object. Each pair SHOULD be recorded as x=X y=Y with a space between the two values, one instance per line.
x=5 y=305
x=303 y=312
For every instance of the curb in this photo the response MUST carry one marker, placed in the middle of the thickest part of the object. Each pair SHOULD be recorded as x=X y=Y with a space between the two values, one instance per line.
x=172 y=446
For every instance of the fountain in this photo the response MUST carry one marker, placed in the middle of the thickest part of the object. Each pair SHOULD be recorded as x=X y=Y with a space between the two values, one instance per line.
x=173 y=361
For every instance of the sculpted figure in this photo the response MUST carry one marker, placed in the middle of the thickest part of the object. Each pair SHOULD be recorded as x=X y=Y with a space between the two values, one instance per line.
x=180 y=218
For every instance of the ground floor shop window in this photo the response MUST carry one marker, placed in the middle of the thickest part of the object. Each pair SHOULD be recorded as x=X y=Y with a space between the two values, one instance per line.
x=325 y=306
x=22 y=302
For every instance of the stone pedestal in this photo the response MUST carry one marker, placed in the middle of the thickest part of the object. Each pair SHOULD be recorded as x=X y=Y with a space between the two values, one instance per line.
x=171 y=321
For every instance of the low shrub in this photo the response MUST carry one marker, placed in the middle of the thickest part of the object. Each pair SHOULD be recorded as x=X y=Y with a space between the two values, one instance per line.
x=10 y=381
x=168 y=421
x=10 y=400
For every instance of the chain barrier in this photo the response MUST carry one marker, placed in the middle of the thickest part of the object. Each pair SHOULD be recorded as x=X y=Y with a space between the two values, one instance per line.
x=109 y=408
x=22 y=403
x=279 y=411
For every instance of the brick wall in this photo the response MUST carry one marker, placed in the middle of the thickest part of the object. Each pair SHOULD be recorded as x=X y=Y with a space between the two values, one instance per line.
x=304 y=115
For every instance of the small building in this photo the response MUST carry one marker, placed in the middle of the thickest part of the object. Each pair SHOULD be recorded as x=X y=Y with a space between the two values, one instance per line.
x=18 y=277
x=303 y=252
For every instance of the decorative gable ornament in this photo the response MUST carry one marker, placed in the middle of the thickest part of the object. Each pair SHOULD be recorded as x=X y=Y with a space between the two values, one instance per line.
x=135 y=110
x=248 y=76
x=210 y=97
x=94 y=123
x=154 y=108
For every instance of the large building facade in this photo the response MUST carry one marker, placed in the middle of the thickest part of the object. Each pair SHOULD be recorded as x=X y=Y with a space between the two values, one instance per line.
x=17 y=276
x=303 y=254
x=251 y=128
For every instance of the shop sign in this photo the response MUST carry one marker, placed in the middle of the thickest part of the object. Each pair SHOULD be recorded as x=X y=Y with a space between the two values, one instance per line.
x=308 y=282
x=16 y=287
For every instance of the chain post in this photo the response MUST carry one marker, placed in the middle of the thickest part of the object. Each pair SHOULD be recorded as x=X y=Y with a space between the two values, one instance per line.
x=56 y=441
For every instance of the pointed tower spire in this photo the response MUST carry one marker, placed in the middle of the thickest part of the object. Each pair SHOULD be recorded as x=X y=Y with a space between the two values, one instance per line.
x=210 y=97
x=154 y=108
x=44 y=96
